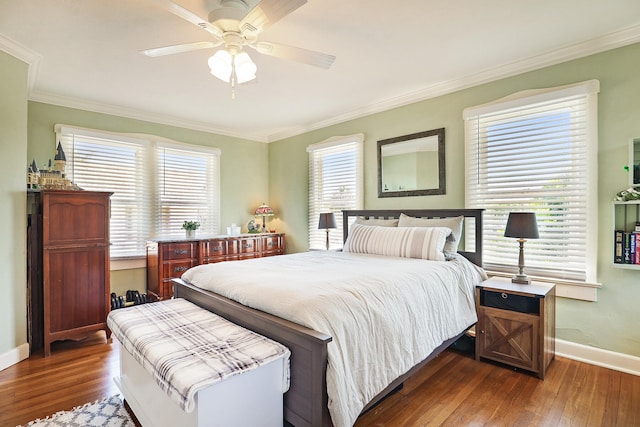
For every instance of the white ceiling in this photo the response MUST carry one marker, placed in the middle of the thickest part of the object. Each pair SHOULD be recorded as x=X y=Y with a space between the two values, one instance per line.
x=85 y=54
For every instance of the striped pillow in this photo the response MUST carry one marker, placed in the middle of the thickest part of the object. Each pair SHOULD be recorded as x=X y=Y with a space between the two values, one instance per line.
x=408 y=242
x=454 y=223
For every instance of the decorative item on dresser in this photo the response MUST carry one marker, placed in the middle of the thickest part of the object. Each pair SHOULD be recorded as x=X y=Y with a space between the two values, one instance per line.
x=190 y=228
x=516 y=324
x=264 y=211
x=169 y=258
x=68 y=266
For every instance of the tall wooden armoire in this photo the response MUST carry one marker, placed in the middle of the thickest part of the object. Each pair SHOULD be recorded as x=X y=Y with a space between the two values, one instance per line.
x=68 y=265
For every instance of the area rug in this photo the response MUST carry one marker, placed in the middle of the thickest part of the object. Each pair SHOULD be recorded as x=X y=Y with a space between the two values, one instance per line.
x=109 y=412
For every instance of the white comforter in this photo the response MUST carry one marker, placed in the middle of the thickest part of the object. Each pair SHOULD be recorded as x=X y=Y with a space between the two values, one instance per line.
x=385 y=314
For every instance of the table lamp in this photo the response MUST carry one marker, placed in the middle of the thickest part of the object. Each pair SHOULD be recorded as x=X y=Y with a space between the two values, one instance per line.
x=327 y=221
x=521 y=225
x=263 y=211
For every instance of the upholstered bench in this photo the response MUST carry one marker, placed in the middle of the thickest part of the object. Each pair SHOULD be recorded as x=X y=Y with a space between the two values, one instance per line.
x=181 y=365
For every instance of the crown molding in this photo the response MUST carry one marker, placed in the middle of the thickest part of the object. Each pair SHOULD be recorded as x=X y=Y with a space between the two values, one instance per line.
x=130 y=113
x=609 y=41
x=600 y=44
x=24 y=54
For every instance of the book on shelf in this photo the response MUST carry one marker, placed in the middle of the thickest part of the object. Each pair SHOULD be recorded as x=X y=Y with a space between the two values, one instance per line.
x=618 y=255
x=626 y=247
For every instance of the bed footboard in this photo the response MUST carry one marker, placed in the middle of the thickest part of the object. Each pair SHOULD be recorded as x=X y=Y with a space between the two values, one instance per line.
x=305 y=404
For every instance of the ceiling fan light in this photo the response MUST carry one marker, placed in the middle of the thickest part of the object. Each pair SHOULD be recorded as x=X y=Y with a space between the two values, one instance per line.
x=221 y=65
x=245 y=67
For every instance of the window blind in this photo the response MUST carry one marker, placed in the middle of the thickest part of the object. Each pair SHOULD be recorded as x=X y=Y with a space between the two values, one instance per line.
x=537 y=153
x=188 y=183
x=156 y=185
x=335 y=184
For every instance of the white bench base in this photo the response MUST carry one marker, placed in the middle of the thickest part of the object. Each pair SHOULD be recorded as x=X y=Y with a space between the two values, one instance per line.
x=248 y=399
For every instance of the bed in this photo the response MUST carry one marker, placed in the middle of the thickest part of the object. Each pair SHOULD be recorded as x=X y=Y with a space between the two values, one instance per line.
x=307 y=401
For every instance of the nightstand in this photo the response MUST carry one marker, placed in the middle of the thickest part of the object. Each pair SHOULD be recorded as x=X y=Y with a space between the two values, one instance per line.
x=516 y=324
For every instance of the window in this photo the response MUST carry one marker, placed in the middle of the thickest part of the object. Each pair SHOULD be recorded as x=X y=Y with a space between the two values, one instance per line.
x=536 y=152
x=156 y=184
x=335 y=184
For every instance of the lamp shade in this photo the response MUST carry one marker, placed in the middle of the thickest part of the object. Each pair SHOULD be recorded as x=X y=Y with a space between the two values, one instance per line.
x=264 y=210
x=245 y=68
x=522 y=225
x=327 y=220
x=221 y=65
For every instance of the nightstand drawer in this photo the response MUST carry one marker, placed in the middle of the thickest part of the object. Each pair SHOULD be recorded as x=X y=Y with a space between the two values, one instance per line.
x=509 y=301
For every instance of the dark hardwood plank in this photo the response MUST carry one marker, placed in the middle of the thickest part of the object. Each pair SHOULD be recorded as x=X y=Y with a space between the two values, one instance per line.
x=452 y=390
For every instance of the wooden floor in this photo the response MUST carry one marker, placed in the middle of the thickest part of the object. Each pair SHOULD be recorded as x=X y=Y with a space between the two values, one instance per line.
x=452 y=390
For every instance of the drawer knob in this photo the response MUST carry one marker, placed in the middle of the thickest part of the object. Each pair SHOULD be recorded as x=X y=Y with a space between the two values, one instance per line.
x=482 y=332
x=180 y=252
x=179 y=269
x=504 y=295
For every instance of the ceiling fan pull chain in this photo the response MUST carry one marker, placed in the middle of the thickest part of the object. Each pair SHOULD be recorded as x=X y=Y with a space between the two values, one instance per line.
x=233 y=77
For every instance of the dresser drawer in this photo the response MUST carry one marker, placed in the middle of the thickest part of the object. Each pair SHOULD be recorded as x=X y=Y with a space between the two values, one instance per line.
x=272 y=245
x=213 y=248
x=179 y=250
x=509 y=301
x=248 y=245
x=173 y=269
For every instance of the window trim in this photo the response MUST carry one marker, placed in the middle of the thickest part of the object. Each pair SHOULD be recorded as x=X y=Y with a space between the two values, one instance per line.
x=328 y=143
x=589 y=89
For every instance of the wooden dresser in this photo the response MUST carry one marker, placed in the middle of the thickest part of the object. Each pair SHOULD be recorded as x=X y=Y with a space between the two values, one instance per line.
x=169 y=258
x=68 y=265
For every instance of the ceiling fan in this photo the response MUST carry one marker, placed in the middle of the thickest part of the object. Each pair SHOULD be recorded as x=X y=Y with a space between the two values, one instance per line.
x=235 y=26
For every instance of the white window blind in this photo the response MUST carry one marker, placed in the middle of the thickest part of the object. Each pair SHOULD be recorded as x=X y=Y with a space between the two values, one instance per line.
x=156 y=185
x=536 y=152
x=335 y=184
x=187 y=183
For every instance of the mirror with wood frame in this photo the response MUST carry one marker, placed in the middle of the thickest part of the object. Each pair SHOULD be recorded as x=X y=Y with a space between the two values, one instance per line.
x=412 y=165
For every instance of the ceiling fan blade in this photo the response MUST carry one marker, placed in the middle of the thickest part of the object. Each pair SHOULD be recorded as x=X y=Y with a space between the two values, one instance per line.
x=190 y=17
x=266 y=13
x=298 y=54
x=179 y=48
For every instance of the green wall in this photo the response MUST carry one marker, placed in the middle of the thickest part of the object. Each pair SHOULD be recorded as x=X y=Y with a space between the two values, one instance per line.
x=13 y=226
x=612 y=322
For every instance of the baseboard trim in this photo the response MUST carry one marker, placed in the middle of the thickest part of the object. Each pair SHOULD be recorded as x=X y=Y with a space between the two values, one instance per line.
x=14 y=356
x=599 y=357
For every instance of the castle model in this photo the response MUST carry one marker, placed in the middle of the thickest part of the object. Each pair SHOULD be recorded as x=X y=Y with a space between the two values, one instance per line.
x=54 y=177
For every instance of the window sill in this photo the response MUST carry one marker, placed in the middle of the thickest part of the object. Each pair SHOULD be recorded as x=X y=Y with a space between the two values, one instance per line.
x=128 y=263
x=564 y=288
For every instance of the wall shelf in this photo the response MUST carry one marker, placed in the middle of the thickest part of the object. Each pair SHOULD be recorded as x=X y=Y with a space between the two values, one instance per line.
x=625 y=216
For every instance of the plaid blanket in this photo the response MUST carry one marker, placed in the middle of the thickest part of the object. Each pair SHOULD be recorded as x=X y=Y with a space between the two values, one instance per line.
x=186 y=348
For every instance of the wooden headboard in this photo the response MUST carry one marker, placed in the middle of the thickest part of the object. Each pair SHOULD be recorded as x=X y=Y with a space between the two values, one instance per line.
x=475 y=256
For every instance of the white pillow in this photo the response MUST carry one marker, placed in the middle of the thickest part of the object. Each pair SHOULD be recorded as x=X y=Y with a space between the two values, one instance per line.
x=408 y=242
x=454 y=223
x=376 y=221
